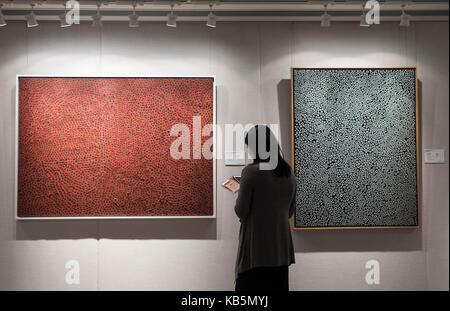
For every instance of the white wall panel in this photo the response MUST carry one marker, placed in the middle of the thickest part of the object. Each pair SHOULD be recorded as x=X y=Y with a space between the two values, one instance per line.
x=54 y=50
x=166 y=265
x=41 y=265
x=155 y=49
x=235 y=63
x=349 y=45
x=432 y=56
x=13 y=60
x=346 y=271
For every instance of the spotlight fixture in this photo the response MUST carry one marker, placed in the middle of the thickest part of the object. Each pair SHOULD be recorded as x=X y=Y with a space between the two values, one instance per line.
x=211 y=22
x=62 y=18
x=2 y=17
x=31 y=18
x=97 y=18
x=326 y=18
x=171 y=18
x=363 y=22
x=405 y=19
x=133 y=18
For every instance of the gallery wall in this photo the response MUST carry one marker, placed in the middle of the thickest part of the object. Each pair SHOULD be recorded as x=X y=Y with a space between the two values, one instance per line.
x=251 y=62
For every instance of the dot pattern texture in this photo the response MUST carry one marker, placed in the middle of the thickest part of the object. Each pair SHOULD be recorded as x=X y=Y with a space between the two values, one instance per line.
x=101 y=147
x=355 y=147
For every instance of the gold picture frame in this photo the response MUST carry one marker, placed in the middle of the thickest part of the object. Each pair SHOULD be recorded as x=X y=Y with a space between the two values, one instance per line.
x=418 y=155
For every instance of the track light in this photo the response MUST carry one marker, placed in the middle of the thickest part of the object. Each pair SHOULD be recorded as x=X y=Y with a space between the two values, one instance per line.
x=133 y=23
x=97 y=18
x=211 y=22
x=2 y=17
x=62 y=17
x=31 y=18
x=133 y=18
x=171 y=18
x=405 y=19
x=2 y=20
x=326 y=18
x=363 y=22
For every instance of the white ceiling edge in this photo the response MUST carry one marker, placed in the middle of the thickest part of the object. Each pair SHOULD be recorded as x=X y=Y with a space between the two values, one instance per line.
x=240 y=18
x=417 y=6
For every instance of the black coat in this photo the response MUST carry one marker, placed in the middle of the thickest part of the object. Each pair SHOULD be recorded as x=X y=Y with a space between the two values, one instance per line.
x=264 y=205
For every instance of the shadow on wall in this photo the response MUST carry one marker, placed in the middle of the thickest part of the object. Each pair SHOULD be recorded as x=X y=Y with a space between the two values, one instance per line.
x=341 y=240
x=202 y=229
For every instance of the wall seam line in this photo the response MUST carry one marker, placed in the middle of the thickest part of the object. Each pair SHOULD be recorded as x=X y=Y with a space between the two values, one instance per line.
x=263 y=116
x=98 y=221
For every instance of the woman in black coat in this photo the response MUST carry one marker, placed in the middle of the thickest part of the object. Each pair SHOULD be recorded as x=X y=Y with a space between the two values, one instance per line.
x=265 y=204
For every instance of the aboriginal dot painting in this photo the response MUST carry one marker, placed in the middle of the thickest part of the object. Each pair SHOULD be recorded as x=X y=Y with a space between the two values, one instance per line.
x=101 y=147
x=354 y=143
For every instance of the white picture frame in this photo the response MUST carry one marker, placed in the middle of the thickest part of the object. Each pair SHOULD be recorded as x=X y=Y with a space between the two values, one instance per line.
x=16 y=150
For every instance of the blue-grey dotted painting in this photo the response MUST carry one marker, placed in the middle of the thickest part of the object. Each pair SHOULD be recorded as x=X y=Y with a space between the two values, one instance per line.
x=355 y=147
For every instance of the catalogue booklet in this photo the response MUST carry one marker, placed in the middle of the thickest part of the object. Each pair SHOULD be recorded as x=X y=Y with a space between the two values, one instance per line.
x=232 y=184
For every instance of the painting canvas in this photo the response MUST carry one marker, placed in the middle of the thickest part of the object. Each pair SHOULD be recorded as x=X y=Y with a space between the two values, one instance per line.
x=355 y=148
x=100 y=147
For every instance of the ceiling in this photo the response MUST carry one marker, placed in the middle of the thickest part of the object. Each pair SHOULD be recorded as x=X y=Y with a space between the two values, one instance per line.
x=231 y=10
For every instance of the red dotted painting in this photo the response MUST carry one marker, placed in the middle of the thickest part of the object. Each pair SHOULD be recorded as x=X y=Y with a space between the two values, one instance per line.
x=99 y=147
